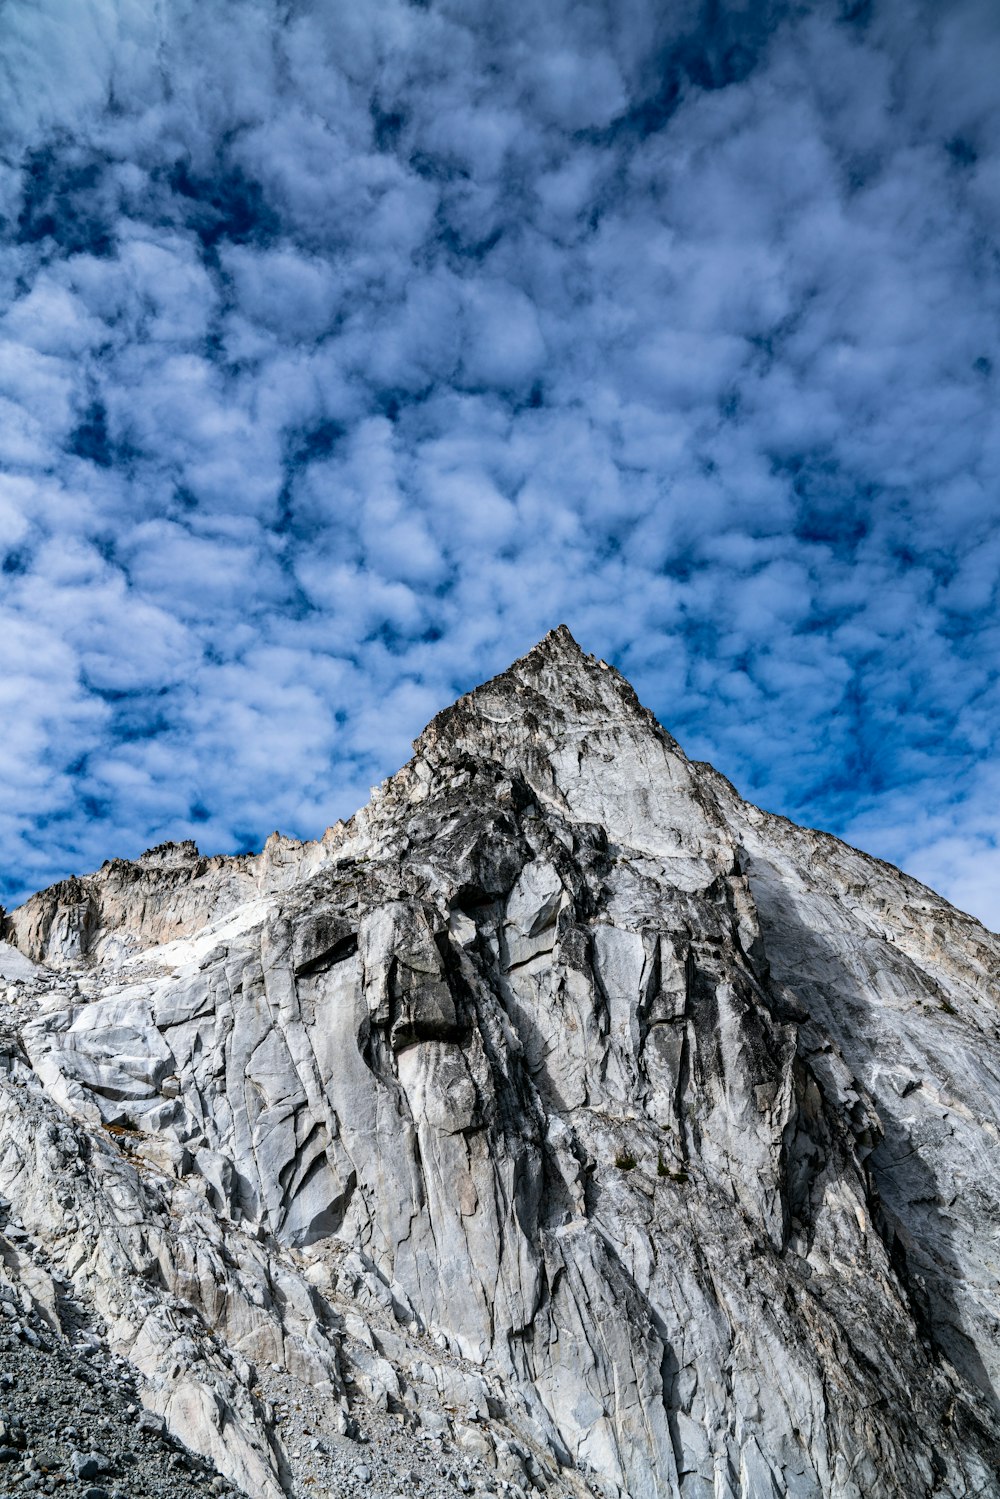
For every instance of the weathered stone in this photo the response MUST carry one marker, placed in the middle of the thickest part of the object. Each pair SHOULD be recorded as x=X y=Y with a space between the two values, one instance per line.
x=671 y=1124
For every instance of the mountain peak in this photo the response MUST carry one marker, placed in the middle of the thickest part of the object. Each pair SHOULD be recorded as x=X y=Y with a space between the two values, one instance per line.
x=572 y=728
x=559 y=644
x=527 y=1060
x=557 y=653
x=560 y=650
x=555 y=687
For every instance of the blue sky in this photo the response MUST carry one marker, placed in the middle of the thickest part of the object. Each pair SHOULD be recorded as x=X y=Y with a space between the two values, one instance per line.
x=347 y=348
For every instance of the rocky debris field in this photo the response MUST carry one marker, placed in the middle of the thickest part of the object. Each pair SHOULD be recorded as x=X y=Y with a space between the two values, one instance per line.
x=71 y=1423
x=71 y=1418
x=384 y=1455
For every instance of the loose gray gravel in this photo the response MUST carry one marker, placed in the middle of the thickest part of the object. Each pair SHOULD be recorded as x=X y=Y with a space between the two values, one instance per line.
x=71 y=1423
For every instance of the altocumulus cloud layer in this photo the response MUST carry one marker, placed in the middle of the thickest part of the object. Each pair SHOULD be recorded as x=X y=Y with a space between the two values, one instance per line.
x=349 y=347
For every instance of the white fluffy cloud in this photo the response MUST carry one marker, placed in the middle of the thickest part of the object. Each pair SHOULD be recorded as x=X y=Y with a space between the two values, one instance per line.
x=345 y=350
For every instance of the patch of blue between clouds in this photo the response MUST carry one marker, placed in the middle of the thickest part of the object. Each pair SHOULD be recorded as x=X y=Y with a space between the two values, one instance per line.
x=346 y=350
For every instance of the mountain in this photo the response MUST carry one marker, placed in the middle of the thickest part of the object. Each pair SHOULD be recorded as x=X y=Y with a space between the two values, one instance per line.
x=561 y=1123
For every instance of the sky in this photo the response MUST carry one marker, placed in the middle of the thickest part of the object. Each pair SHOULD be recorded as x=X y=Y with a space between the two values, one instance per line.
x=346 y=348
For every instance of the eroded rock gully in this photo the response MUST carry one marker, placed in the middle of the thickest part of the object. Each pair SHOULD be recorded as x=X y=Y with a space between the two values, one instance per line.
x=603 y=1132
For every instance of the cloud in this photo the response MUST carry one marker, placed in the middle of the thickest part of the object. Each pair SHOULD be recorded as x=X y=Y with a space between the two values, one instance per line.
x=348 y=349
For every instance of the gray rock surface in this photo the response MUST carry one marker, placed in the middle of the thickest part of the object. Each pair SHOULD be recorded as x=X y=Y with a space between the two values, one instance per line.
x=561 y=1123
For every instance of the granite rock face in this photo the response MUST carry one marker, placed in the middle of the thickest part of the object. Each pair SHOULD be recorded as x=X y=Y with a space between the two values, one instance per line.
x=633 y=1140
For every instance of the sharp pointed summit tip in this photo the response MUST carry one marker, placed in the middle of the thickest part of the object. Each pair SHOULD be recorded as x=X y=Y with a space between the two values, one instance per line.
x=562 y=635
x=555 y=683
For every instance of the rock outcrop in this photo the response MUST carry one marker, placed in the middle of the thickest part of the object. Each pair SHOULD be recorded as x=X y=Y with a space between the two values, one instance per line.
x=562 y=1105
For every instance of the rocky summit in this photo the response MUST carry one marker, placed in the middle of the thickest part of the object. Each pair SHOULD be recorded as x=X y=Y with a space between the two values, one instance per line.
x=561 y=1124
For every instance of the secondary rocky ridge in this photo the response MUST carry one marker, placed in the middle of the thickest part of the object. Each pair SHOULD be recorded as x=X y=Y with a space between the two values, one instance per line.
x=561 y=1107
